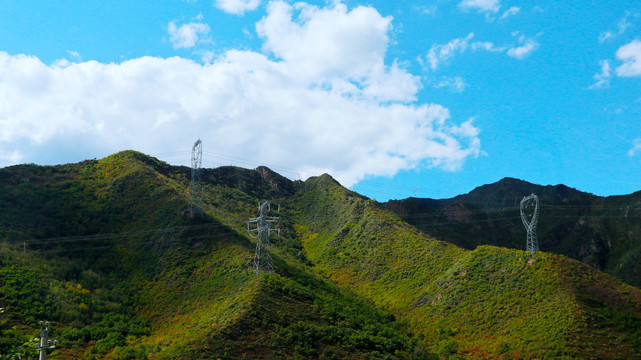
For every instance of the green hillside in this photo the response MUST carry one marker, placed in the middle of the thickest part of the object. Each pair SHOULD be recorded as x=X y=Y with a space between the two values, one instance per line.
x=490 y=302
x=106 y=250
x=603 y=232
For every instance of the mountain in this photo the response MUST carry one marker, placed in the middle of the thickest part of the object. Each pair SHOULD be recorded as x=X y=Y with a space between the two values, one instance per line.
x=107 y=251
x=603 y=232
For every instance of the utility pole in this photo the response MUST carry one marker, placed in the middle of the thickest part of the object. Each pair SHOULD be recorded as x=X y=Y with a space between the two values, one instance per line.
x=194 y=187
x=261 y=231
x=530 y=221
x=45 y=342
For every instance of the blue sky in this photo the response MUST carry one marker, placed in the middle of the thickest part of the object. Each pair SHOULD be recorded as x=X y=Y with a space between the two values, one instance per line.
x=394 y=99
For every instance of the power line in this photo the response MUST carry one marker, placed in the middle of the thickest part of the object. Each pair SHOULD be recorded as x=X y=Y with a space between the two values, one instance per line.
x=220 y=234
x=108 y=236
x=131 y=243
x=437 y=213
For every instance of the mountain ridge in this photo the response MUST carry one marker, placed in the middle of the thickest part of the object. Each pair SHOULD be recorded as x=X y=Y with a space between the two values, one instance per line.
x=124 y=273
x=600 y=231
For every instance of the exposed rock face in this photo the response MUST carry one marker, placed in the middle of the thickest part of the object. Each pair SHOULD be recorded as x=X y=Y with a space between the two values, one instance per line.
x=277 y=183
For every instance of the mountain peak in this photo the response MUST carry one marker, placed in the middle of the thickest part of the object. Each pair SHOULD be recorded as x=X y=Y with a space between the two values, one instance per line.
x=324 y=180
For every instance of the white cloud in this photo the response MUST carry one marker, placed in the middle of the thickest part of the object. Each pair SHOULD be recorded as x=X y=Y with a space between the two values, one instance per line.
x=439 y=54
x=427 y=9
x=636 y=148
x=630 y=54
x=186 y=35
x=75 y=55
x=526 y=47
x=207 y=56
x=237 y=7
x=332 y=107
x=327 y=43
x=510 y=12
x=605 y=36
x=486 y=6
x=602 y=79
x=622 y=26
x=486 y=45
x=456 y=84
x=11 y=157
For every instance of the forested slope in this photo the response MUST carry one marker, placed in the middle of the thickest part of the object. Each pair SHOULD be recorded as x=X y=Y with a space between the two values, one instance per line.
x=603 y=232
x=106 y=250
x=489 y=302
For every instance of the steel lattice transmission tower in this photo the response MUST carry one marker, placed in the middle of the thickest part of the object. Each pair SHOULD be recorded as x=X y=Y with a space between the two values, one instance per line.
x=530 y=221
x=195 y=195
x=260 y=228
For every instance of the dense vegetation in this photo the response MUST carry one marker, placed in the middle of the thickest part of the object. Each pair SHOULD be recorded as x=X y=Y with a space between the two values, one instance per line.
x=490 y=302
x=105 y=250
x=603 y=232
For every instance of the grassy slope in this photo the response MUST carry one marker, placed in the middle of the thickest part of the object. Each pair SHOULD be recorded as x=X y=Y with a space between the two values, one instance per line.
x=162 y=285
x=167 y=287
x=601 y=232
x=490 y=302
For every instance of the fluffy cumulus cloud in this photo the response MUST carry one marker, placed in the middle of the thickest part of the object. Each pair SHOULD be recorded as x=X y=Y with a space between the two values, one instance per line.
x=336 y=48
x=186 y=35
x=319 y=99
x=630 y=55
x=487 y=6
x=237 y=7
